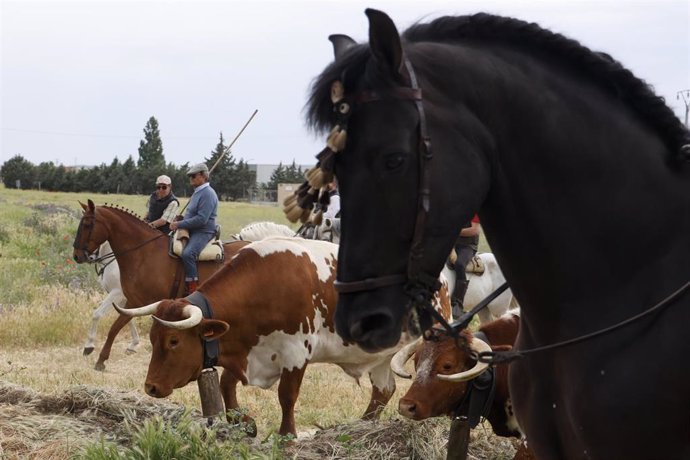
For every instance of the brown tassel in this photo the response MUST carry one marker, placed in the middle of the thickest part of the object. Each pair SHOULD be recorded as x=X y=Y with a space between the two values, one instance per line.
x=316 y=217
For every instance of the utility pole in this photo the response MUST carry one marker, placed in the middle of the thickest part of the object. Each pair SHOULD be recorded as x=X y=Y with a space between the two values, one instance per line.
x=685 y=94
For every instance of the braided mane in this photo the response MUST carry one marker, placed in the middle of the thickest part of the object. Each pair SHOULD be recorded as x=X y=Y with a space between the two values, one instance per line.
x=127 y=212
x=603 y=69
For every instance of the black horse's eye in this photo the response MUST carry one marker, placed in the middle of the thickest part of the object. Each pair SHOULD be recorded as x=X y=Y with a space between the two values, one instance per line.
x=394 y=161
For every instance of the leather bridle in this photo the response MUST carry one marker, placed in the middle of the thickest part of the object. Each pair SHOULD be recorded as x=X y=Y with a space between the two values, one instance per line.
x=85 y=250
x=419 y=286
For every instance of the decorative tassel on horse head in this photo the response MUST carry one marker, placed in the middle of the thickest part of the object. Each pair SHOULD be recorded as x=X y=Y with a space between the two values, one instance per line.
x=300 y=205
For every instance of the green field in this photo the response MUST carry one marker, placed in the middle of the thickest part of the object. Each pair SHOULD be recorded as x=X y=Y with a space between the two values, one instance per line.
x=46 y=303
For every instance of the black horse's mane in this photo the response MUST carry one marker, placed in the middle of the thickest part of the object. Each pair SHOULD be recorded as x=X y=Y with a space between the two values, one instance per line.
x=637 y=94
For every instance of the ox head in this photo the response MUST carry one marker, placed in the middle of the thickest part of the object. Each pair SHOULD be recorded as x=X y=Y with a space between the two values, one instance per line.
x=177 y=337
x=91 y=233
x=443 y=370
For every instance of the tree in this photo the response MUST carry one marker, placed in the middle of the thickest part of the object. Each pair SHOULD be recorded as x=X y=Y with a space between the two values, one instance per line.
x=19 y=169
x=151 y=161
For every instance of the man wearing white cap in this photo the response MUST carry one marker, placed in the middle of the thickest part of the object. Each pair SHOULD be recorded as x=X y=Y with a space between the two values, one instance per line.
x=162 y=205
x=200 y=220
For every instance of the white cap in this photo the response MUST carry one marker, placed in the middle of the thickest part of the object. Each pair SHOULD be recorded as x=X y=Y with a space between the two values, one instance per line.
x=163 y=180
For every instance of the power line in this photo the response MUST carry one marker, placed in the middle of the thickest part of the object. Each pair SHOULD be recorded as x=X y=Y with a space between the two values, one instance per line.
x=59 y=133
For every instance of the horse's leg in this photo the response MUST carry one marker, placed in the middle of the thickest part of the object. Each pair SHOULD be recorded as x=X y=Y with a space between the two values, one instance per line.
x=115 y=329
x=382 y=388
x=228 y=387
x=98 y=313
x=288 y=391
x=132 y=348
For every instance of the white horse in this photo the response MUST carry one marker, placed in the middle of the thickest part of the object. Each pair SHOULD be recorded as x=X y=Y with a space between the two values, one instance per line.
x=259 y=230
x=109 y=279
x=480 y=286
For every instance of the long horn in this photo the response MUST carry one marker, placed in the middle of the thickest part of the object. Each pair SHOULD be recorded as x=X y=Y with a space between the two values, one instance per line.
x=141 y=311
x=479 y=346
x=193 y=317
x=401 y=357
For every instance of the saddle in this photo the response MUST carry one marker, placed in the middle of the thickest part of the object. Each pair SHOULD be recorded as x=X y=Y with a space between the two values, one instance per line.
x=475 y=265
x=213 y=251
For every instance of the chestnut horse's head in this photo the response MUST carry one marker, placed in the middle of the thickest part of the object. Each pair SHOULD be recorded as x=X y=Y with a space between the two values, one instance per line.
x=91 y=233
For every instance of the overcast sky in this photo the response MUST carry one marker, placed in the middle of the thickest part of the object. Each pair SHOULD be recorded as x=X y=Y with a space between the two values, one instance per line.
x=80 y=79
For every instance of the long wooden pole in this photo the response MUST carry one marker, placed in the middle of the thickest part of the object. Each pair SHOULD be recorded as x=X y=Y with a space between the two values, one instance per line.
x=227 y=149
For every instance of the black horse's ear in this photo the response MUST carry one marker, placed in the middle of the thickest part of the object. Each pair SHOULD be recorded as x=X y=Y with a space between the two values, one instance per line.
x=341 y=43
x=384 y=41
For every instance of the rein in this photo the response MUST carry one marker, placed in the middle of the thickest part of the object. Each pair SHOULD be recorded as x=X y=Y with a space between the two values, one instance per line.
x=100 y=265
x=496 y=357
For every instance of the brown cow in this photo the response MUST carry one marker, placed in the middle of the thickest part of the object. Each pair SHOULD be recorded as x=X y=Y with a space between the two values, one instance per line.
x=273 y=307
x=442 y=378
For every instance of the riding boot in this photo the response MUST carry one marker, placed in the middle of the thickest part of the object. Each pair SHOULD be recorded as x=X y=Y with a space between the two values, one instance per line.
x=190 y=286
x=458 y=297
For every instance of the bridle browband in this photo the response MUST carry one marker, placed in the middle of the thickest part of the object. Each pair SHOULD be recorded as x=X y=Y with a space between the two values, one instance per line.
x=419 y=285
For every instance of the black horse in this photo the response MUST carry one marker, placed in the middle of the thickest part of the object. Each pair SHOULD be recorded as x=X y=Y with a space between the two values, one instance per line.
x=578 y=172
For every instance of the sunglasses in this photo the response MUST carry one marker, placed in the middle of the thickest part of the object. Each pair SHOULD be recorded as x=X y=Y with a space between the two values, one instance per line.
x=161 y=187
x=192 y=176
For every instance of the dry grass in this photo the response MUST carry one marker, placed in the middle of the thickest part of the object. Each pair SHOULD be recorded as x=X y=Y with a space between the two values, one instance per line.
x=52 y=401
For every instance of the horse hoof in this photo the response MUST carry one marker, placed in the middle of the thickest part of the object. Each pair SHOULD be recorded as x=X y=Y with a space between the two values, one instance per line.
x=130 y=351
x=99 y=366
x=88 y=351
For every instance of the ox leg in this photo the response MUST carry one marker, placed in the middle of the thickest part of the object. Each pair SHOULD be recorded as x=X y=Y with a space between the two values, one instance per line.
x=228 y=386
x=288 y=391
x=382 y=388
x=115 y=329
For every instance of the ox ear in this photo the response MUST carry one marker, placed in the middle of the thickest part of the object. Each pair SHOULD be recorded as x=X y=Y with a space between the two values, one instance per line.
x=384 y=41
x=212 y=328
x=341 y=43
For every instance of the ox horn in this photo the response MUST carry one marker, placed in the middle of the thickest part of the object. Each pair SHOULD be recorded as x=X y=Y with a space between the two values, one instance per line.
x=401 y=357
x=141 y=311
x=193 y=316
x=479 y=346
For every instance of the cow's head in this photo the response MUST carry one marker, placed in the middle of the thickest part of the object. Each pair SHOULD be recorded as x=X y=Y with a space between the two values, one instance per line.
x=442 y=372
x=177 y=338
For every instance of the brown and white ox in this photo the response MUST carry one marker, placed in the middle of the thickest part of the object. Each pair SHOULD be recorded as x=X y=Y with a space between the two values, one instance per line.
x=273 y=306
x=444 y=371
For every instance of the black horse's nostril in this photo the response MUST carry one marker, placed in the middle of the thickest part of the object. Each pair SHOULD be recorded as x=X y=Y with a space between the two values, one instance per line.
x=372 y=332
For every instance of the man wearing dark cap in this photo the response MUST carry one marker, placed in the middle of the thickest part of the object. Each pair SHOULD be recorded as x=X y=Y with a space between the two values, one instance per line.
x=162 y=205
x=200 y=220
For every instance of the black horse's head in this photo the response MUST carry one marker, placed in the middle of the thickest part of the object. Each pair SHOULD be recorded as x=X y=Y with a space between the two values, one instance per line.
x=398 y=226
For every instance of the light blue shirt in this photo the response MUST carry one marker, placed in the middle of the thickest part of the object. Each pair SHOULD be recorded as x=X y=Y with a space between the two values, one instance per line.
x=202 y=210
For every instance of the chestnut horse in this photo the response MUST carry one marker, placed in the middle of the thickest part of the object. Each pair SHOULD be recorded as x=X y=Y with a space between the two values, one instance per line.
x=147 y=272
x=580 y=176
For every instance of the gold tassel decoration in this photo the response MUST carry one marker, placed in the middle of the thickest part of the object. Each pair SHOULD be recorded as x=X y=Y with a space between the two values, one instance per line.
x=317 y=217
